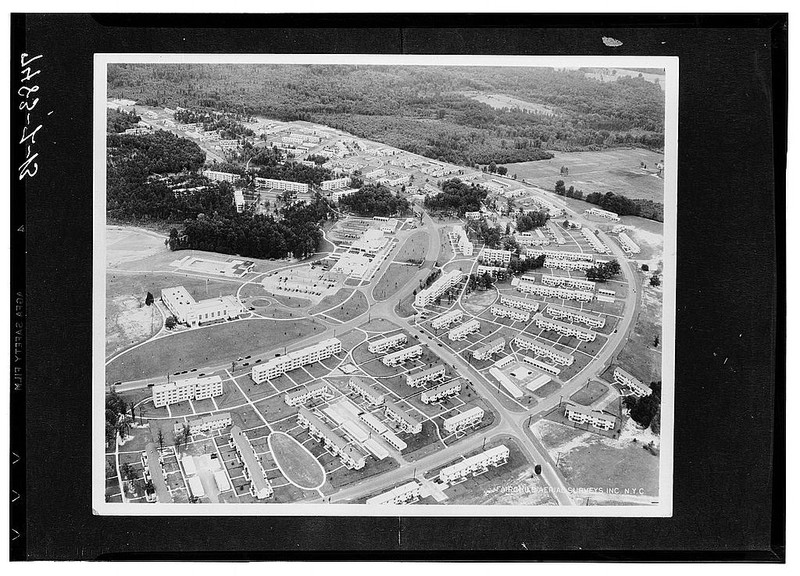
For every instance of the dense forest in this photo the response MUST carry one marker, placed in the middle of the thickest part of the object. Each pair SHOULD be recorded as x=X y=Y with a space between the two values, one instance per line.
x=375 y=200
x=456 y=197
x=119 y=121
x=646 y=411
x=424 y=109
x=155 y=177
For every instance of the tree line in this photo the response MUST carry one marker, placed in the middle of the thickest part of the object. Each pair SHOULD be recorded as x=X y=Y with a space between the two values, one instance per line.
x=457 y=197
x=375 y=200
x=119 y=120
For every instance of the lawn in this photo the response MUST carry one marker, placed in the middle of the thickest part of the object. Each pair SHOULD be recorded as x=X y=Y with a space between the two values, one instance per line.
x=353 y=308
x=414 y=248
x=547 y=389
x=296 y=463
x=395 y=277
x=214 y=345
x=332 y=300
x=590 y=393
x=639 y=356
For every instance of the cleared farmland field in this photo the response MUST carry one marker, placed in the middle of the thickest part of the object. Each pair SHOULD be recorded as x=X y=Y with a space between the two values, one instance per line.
x=615 y=171
x=205 y=347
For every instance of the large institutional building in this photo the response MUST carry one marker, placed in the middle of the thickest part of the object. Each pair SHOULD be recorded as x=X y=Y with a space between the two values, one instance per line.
x=440 y=286
x=277 y=366
x=252 y=469
x=188 y=389
x=636 y=386
x=281 y=185
x=461 y=331
x=464 y=420
x=542 y=349
x=564 y=328
x=590 y=320
x=401 y=356
x=188 y=311
x=475 y=465
x=350 y=456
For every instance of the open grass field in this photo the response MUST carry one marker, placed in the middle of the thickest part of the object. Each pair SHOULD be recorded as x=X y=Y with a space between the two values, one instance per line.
x=590 y=393
x=354 y=307
x=615 y=171
x=500 y=101
x=332 y=300
x=639 y=356
x=414 y=248
x=205 y=347
x=395 y=277
x=295 y=462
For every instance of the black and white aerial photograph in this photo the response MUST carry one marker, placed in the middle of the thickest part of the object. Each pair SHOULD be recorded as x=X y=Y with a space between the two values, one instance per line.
x=382 y=285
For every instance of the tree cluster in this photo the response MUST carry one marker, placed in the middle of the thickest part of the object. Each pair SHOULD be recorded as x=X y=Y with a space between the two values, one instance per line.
x=375 y=200
x=519 y=265
x=457 y=197
x=603 y=271
x=119 y=120
x=646 y=411
x=626 y=206
x=530 y=220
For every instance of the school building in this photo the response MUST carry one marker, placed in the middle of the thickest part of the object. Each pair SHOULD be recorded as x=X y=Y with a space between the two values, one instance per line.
x=419 y=378
x=192 y=313
x=189 y=389
x=251 y=466
x=277 y=366
x=451 y=388
x=401 y=356
x=440 y=286
x=542 y=349
x=475 y=465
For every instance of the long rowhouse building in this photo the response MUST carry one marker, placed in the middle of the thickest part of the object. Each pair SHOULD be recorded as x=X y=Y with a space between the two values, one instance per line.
x=460 y=422
x=446 y=319
x=336 y=184
x=564 y=328
x=442 y=391
x=206 y=424
x=584 y=415
x=401 y=356
x=591 y=237
x=568 y=282
x=570 y=265
x=298 y=397
x=405 y=494
x=404 y=420
x=442 y=284
x=152 y=462
x=188 y=389
x=559 y=255
x=552 y=291
x=276 y=367
x=463 y=330
x=384 y=344
x=628 y=245
x=561 y=312
x=350 y=456
x=424 y=376
x=496 y=257
x=613 y=216
x=521 y=303
x=251 y=466
x=507 y=312
x=634 y=384
x=486 y=351
x=475 y=465
x=281 y=185
x=542 y=349
x=364 y=388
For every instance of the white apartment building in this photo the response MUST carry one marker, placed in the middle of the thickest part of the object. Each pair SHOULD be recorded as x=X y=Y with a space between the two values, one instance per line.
x=252 y=469
x=405 y=421
x=507 y=312
x=559 y=255
x=606 y=292
x=206 y=424
x=350 y=456
x=153 y=463
x=384 y=344
x=220 y=176
x=613 y=216
x=188 y=311
x=572 y=265
x=337 y=195
x=486 y=351
x=406 y=494
x=446 y=319
x=440 y=286
x=590 y=320
x=464 y=420
x=567 y=282
x=318 y=389
x=462 y=241
x=363 y=387
x=401 y=356
x=491 y=270
x=429 y=375
x=377 y=173
x=475 y=465
x=564 y=328
x=473 y=215
x=584 y=415
x=528 y=240
x=293 y=360
x=555 y=232
x=542 y=349
x=281 y=185
x=591 y=237
x=636 y=386
x=553 y=291
x=521 y=303
x=336 y=184
x=492 y=256
x=451 y=388
x=628 y=245
x=188 y=389
x=461 y=331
